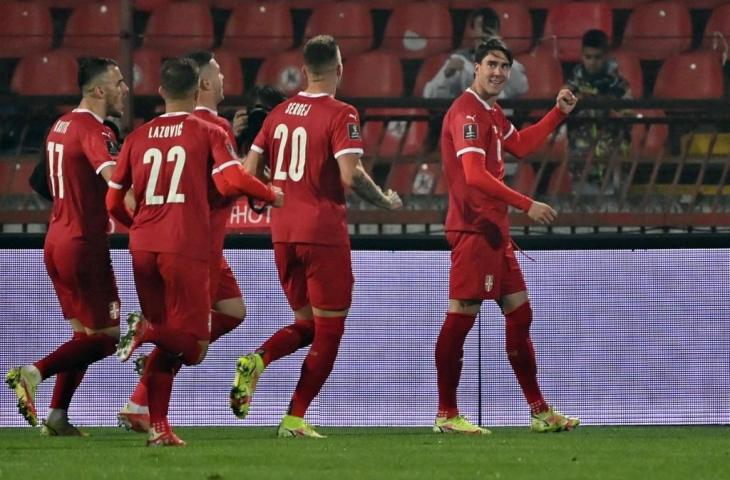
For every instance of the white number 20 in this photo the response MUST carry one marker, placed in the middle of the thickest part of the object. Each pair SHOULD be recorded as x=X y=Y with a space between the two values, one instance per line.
x=154 y=156
x=298 y=153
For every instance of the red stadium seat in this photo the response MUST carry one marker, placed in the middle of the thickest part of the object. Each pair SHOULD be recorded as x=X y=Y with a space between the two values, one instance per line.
x=305 y=4
x=259 y=29
x=147 y=64
x=630 y=68
x=94 y=29
x=544 y=73
x=231 y=69
x=524 y=179
x=413 y=178
x=396 y=138
x=400 y=177
x=178 y=28
x=385 y=4
x=690 y=75
x=283 y=70
x=419 y=29
x=50 y=73
x=429 y=69
x=26 y=28
x=561 y=181
x=349 y=22
x=149 y=5
x=658 y=30
x=515 y=26
x=372 y=74
x=649 y=141
x=719 y=23
x=569 y=21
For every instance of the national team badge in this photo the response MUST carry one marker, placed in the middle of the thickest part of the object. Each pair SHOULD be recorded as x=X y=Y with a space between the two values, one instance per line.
x=114 y=310
x=489 y=283
x=353 y=131
x=471 y=131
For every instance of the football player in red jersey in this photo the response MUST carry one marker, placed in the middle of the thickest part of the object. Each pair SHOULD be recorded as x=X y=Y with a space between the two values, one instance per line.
x=81 y=153
x=313 y=145
x=229 y=309
x=475 y=132
x=168 y=162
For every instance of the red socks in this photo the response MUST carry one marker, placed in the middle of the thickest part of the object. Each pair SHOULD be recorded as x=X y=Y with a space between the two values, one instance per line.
x=220 y=324
x=521 y=355
x=79 y=352
x=65 y=387
x=287 y=340
x=174 y=341
x=449 y=359
x=319 y=362
x=158 y=376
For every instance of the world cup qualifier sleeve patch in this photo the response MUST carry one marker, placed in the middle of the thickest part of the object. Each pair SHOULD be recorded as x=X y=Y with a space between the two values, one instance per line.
x=471 y=131
x=353 y=131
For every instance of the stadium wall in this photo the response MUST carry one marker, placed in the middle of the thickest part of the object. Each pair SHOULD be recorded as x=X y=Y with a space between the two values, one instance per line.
x=628 y=330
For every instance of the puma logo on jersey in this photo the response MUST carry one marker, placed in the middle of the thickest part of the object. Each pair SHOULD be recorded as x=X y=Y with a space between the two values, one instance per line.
x=473 y=118
x=352 y=115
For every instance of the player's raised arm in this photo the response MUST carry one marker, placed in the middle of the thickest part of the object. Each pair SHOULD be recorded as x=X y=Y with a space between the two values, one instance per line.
x=354 y=176
x=528 y=140
x=230 y=177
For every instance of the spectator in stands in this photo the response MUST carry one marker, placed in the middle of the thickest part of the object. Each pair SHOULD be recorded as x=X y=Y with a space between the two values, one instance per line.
x=597 y=77
x=458 y=71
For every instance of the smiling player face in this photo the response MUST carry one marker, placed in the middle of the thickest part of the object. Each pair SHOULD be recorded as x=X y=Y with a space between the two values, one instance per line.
x=493 y=72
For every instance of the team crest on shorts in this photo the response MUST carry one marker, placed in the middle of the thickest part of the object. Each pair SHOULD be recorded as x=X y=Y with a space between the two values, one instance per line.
x=114 y=310
x=489 y=282
x=471 y=131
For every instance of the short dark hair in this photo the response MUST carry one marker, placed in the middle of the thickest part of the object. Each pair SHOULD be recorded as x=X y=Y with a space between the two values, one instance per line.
x=489 y=46
x=266 y=95
x=595 y=39
x=90 y=68
x=320 y=52
x=490 y=19
x=201 y=57
x=179 y=77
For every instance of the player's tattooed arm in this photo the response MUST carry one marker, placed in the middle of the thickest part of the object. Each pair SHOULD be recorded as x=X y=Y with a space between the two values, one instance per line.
x=366 y=188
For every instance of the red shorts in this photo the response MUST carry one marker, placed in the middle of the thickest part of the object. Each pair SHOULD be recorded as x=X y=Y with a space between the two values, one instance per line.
x=481 y=272
x=173 y=290
x=83 y=278
x=223 y=284
x=317 y=275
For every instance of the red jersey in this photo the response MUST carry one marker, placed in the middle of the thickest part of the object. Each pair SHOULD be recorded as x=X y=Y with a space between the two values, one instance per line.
x=78 y=147
x=220 y=206
x=303 y=138
x=471 y=125
x=168 y=162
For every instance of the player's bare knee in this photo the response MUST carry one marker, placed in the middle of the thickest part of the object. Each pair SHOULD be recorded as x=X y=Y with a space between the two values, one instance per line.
x=510 y=303
x=233 y=307
x=304 y=313
x=464 y=307
x=112 y=332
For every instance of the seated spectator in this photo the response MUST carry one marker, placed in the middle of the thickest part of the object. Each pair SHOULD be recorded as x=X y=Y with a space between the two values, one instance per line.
x=596 y=77
x=458 y=71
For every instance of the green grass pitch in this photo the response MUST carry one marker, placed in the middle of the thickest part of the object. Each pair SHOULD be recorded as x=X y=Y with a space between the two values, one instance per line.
x=219 y=453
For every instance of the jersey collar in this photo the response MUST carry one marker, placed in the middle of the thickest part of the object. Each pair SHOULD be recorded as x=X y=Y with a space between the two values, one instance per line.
x=84 y=110
x=313 y=95
x=481 y=100
x=200 y=107
x=174 y=114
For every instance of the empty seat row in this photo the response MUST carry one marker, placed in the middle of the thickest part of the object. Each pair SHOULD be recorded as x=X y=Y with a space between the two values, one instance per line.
x=256 y=29
x=678 y=76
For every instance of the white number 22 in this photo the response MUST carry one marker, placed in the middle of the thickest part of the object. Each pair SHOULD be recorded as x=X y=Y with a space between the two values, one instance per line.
x=298 y=153
x=154 y=155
